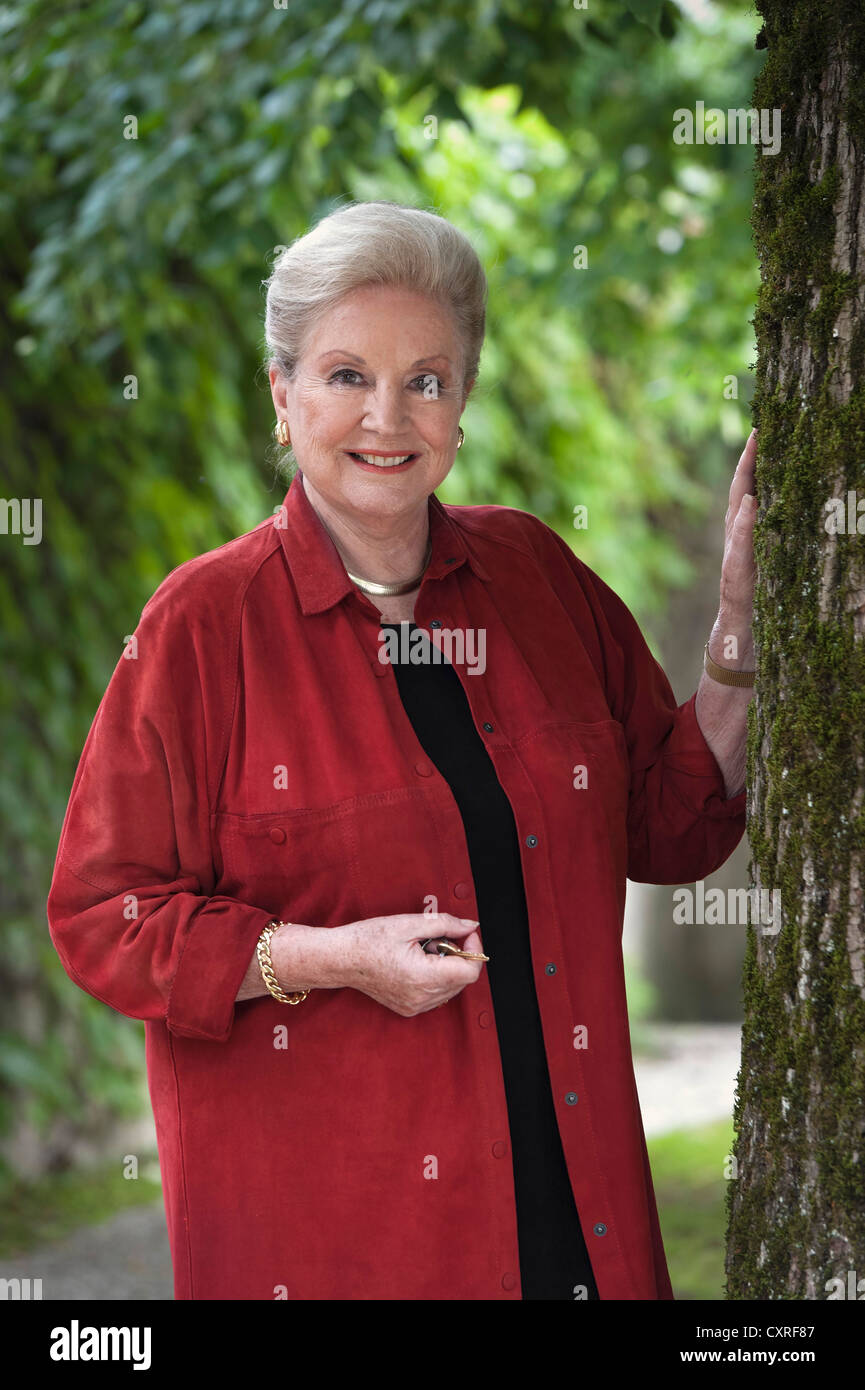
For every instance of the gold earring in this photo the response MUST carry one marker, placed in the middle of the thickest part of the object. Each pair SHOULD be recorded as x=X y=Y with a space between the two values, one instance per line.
x=282 y=433
x=461 y=438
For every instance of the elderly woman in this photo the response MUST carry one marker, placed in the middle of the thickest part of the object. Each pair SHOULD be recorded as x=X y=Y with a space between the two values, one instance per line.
x=390 y=762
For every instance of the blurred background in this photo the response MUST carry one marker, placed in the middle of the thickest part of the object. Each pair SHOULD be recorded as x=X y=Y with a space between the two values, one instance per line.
x=154 y=159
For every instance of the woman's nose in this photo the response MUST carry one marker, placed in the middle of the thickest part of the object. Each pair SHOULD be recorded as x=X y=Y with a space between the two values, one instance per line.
x=386 y=409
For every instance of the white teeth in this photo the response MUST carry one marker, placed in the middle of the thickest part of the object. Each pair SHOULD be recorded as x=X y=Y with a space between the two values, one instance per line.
x=380 y=462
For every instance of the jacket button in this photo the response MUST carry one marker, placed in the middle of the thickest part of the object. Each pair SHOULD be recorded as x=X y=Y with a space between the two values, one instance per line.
x=488 y=728
x=550 y=969
x=423 y=769
x=509 y=1281
x=531 y=841
x=277 y=835
x=571 y=1098
x=462 y=890
x=435 y=622
x=485 y=1019
x=500 y=1148
x=599 y=1229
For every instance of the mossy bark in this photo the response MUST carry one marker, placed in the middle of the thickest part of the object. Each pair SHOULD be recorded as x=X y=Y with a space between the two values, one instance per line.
x=797 y=1206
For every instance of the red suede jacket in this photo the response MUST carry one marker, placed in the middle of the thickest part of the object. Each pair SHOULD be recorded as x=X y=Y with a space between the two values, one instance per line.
x=251 y=759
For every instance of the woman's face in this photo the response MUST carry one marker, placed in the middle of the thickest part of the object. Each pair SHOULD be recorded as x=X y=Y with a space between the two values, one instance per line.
x=380 y=374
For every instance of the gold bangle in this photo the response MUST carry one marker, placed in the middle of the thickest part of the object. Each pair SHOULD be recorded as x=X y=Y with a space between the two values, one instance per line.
x=267 y=970
x=722 y=674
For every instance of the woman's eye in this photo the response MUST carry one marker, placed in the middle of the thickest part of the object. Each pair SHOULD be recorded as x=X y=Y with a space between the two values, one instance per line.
x=427 y=379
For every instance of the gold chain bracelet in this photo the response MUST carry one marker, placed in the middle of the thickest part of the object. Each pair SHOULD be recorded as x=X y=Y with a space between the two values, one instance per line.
x=267 y=970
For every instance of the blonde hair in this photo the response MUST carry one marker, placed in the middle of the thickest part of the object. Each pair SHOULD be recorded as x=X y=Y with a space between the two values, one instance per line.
x=373 y=243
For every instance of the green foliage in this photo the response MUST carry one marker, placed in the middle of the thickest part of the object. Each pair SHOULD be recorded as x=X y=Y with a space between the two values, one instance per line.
x=642 y=1007
x=54 y=1206
x=688 y=1171
x=130 y=344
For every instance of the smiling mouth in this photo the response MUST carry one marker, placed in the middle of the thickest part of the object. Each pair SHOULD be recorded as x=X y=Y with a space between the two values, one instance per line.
x=381 y=460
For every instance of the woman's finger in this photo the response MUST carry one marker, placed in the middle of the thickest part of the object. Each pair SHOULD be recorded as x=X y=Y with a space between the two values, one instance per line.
x=743 y=478
x=737 y=570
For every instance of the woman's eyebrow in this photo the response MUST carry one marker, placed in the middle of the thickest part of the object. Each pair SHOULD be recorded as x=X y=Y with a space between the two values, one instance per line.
x=432 y=357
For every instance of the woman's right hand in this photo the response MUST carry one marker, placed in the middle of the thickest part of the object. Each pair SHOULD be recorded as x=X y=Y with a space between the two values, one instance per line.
x=383 y=957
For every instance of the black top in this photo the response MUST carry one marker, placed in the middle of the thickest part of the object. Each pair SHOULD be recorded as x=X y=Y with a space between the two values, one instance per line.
x=553 y=1255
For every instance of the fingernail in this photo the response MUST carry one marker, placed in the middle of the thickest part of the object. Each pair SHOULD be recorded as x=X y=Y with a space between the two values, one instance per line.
x=468 y=922
x=750 y=501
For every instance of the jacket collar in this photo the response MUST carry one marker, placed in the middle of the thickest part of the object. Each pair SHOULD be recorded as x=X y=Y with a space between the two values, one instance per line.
x=317 y=569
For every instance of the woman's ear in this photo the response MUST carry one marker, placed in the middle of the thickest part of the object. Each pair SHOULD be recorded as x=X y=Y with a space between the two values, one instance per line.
x=278 y=386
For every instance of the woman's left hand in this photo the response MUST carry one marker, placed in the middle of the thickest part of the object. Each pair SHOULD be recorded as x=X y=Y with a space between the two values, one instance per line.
x=722 y=709
x=731 y=643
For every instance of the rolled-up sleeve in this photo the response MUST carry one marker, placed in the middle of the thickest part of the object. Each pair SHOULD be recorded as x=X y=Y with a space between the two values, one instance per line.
x=129 y=907
x=681 y=824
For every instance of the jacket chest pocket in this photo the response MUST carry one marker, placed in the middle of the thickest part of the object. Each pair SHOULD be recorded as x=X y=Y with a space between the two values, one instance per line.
x=581 y=774
x=363 y=857
x=603 y=751
x=300 y=865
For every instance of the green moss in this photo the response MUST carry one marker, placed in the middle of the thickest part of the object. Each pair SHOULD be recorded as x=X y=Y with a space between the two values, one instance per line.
x=838 y=287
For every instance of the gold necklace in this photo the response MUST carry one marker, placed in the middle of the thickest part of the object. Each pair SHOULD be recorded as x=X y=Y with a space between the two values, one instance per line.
x=403 y=586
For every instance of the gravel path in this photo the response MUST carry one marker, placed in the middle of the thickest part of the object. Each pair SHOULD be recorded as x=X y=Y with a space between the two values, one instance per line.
x=690 y=1083
x=693 y=1081
x=124 y=1258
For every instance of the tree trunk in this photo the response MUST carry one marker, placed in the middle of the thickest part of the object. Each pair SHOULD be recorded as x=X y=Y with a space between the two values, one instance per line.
x=797 y=1204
